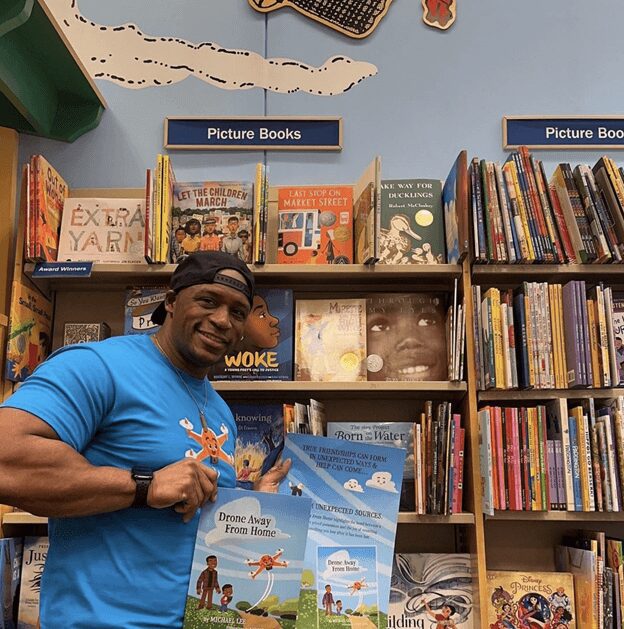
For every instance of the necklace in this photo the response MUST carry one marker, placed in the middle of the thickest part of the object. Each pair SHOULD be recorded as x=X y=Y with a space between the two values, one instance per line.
x=200 y=409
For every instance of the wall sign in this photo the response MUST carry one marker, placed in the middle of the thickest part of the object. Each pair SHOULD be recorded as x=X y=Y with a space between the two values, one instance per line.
x=248 y=133
x=62 y=269
x=563 y=132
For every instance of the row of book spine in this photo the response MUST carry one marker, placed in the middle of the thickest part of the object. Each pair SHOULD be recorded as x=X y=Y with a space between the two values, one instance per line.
x=547 y=336
x=558 y=457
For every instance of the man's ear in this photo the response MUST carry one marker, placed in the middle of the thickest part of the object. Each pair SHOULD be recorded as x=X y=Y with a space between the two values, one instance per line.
x=170 y=298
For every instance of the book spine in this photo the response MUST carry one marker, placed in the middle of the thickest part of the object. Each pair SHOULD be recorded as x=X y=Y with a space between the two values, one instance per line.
x=524 y=456
x=486 y=462
x=593 y=343
x=544 y=471
x=511 y=334
x=530 y=335
x=603 y=252
x=480 y=205
x=579 y=213
x=552 y=475
x=566 y=441
x=595 y=457
x=572 y=340
x=586 y=366
x=523 y=212
x=615 y=369
x=538 y=249
x=612 y=462
x=533 y=460
x=560 y=475
x=604 y=465
x=618 y=422
x=502 y=254
x=487 y=213
x=524 y=377
x=503 y=202
x=603 y=338
x=576 y=470
x=517 y=222
x=542 y=190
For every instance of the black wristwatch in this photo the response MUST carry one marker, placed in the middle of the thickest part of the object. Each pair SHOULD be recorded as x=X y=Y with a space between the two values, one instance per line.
x=142 y=476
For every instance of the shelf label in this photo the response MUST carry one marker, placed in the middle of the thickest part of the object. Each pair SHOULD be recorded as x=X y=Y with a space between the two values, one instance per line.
x=248 y=133
x=63 y=269
x=563 y=132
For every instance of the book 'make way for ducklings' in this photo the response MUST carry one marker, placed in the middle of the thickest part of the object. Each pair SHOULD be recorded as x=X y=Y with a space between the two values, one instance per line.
x=247 y=562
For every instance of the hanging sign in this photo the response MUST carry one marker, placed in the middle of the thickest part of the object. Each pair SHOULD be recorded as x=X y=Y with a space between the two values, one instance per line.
x=62 y=269
x=248 y=133
x=563 y=132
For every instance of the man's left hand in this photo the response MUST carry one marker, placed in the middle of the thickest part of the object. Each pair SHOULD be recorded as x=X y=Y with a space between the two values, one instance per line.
x=271 y=480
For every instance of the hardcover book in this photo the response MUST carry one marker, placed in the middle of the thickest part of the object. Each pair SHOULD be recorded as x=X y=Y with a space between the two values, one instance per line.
x=365 y=193
x=85 y=332
x=30 y=332
x=531 y=599
x=103 y=230
x=266 y=350
x=455 y=202
x=10 y=570
x=430 y=589
x=315 y=225
x=330 y=340
x=33 y=563
x=139 y=305
x=215 y=216
x=247 y=561
x=617 y=317
x=355 y=489
x=412 y=222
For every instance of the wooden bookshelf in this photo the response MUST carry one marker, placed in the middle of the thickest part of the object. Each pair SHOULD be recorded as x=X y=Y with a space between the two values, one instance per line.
x=556 y=516
x=455 y=518
x=505 y=274
x=530 y=395
x=21 y=517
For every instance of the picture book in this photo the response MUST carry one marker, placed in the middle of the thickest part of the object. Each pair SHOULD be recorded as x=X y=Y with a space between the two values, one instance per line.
x=33 y=563
x=330 y=340
x=266 y=350
x=530 y=599
x=355 y=489
x=10 y=570
x=315 y=225
x=247 y=562
x=365 y=193
x=412 y=222
x=212 y=216
x=406 y=337
x=259 y=440
x=455 y=203
x=429 y=589
x=617 y=317
x=103 y=230
x=138 y=308
x=30 y=332
x=395 y=434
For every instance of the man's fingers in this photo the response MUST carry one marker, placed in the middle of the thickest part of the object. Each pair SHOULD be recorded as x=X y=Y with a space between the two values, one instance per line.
x=209 y=473
x=208 y=488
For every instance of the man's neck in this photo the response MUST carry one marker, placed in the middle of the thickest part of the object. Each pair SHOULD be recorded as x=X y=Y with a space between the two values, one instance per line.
x=163 y=343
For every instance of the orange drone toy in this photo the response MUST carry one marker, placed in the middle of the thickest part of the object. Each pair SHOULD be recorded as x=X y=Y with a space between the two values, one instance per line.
x=267 y=562
x=356 y=586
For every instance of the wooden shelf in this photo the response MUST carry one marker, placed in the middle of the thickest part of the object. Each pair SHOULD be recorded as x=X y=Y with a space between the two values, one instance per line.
x=547 y=394
x=456 y=518
x=559 y=273
x=21 y=517
x=557 y=516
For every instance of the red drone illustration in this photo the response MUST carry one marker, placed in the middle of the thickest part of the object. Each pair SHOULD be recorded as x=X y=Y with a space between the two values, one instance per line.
x=356 y=586
x=267 y=562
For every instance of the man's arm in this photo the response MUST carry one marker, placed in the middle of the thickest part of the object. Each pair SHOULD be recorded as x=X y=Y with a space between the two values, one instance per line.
x=42 y=474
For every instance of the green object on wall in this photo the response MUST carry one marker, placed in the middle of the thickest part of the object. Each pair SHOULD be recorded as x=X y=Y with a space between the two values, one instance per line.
x=43 y=88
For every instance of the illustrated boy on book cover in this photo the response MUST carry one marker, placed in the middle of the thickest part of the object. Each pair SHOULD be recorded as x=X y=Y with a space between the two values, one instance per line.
x=406 y=337
x=247 y=563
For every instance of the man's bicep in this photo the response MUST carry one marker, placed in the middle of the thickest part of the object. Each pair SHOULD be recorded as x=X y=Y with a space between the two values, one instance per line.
x=16 y=423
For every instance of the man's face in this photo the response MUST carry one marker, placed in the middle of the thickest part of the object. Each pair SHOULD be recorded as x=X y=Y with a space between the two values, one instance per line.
x=233 y=227
x=212 y=563
x=207 y=320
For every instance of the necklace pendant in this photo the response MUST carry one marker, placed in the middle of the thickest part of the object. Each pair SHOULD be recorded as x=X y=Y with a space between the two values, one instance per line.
x=202 y=419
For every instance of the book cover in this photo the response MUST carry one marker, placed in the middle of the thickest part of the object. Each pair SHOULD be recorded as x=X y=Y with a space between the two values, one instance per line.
x=33 y=563
x=406 y=337
x=429 y=589
x=215 y=216
x=412 y=222
x=247 y=561
x=315 y=225
x=259 y=440
x=395 y=434
x=330 y=340
x=30 y=332
x=365 y=213
x=582 y=564
x=531 y=600
x=455 y=203
x=266 y=349
x=355 y=490
x=10 y=571
x=103 y=230
x=617 y=317
x=139 y=305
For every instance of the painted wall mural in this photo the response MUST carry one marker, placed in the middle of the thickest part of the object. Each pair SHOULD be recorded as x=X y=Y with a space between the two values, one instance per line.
x=126 y=56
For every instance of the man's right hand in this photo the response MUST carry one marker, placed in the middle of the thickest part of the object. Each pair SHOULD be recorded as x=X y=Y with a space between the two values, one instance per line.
x=185 y=485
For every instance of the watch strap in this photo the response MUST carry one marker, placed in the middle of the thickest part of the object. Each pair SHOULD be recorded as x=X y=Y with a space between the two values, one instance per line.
x=142 y=476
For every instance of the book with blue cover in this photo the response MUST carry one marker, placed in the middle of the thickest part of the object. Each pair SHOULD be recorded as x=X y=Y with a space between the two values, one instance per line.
x=247 y=561
x=355 y=489
x=139 y=305
x=10 y=571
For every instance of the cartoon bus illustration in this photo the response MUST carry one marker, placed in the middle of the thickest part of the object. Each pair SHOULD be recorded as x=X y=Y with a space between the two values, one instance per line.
x=299 y=230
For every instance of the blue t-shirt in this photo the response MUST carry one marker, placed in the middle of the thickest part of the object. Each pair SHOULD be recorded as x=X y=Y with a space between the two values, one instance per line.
x=120 y=403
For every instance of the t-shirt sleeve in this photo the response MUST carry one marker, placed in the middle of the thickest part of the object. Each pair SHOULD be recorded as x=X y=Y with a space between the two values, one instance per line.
x=72 y=392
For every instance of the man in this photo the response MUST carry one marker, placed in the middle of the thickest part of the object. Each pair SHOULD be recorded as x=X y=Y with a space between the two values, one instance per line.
x=100 y=427
x=210 y=241
x=208 y=582
x=231 y=243
x=328 y=600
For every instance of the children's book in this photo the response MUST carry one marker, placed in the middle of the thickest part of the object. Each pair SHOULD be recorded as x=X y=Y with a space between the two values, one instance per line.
x=455 y=202
x=531 y=599
x=10 y=570
x=355 y=489
x=139 y=306
x=266 y=349
x=365 y=193
x=33 y=563
x=212 y=216
x=259 y=442
x=315 y=225
x=330 y=340
x=430 y=589
x=247 y=562
x=30 y=332
x=617 y=317
x=103 y=230
x=412 y=222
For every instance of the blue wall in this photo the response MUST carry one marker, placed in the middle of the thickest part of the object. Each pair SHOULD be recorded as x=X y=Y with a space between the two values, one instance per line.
x=436 y=92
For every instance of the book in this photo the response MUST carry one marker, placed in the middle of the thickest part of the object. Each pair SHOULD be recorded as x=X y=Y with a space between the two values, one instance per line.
x=103 y=230
x=330 y=340
x=266 y=349
x=582 y=563
x=10 y=571
x=139 y=305
x=430 y=588
x=259 y=440
x=247 y=561
x=617 y=318
x=30 y=332
x=33 y=564
x=365 y=213
x=216 y=216
x=85 y=332
x=412 y=222
x=355 y=489
x=406 y=337
x=315 y=225
x=455 y=203
x=530 y=599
